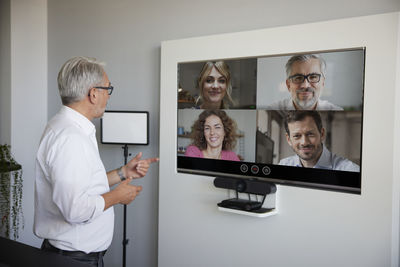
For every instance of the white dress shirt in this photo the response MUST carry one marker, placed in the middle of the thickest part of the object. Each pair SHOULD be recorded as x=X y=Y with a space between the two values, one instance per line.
x=70 y=179
x=287 y=104
x=327 y=160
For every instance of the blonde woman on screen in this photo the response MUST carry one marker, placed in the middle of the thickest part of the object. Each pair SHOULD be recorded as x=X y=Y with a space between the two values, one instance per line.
x=214 y=84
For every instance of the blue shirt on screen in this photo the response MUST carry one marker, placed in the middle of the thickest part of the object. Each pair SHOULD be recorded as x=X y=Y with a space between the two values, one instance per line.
x=328 y=161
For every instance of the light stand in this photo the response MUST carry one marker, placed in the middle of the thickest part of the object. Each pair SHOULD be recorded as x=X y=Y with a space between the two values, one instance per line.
x=125 y=240
x=136 y=132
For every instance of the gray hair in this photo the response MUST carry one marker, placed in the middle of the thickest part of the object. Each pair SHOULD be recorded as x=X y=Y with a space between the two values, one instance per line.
x=302 y=58
x=77 y=76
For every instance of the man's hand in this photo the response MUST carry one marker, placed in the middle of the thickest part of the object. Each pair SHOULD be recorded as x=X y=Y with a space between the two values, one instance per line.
x=136 y=167
x=124 y=193
x=127 y=192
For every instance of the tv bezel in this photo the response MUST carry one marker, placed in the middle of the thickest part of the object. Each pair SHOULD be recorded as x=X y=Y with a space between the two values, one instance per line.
x=334 y=180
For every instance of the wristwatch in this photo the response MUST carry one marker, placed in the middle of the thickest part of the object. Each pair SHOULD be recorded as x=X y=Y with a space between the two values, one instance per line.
x=120 y=174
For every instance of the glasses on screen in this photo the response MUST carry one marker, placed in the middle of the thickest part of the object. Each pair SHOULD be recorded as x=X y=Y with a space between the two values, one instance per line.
x=300 y=78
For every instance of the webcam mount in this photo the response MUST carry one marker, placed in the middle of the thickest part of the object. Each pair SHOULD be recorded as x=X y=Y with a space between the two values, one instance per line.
x=251 y=205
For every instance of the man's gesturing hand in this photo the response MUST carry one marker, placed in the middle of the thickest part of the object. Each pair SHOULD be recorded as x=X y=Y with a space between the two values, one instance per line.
x=137 y=167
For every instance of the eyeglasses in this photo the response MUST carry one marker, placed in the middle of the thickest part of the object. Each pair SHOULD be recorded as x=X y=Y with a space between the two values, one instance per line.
x=311 y=78
x=110 y=88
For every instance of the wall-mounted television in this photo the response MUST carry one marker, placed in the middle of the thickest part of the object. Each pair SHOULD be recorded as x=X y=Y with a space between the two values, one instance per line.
x=293 y=119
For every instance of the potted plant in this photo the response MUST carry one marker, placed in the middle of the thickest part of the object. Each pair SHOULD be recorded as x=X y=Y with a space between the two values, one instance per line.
x=11 y=216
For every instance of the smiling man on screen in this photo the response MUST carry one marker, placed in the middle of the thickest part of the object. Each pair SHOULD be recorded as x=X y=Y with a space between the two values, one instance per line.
x=305 y=135
x=305 y=80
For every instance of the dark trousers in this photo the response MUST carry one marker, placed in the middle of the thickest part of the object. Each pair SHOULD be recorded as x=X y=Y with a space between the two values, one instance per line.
x=93 y=259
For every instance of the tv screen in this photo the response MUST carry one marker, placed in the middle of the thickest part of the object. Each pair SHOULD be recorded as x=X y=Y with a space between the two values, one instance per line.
x=292 y=119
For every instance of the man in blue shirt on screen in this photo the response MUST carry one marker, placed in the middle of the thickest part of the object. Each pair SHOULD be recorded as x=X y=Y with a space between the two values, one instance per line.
x=305 y=135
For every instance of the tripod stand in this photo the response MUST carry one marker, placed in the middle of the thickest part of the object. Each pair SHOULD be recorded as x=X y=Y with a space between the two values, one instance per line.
x=136 y=125
x=125 y=240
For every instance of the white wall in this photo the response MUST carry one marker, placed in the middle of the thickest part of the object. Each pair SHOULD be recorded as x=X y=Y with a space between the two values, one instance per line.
x=396 y=159
x=23 y=90
x=313 y=227
x=5 y=73
x=28 y=95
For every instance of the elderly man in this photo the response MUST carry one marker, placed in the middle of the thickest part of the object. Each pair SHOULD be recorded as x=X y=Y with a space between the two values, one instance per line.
x=73 y=201
x=305 y=135
x=305 y=79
